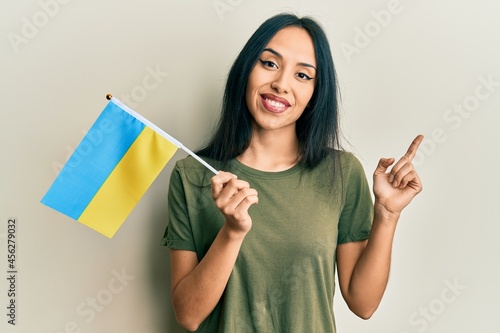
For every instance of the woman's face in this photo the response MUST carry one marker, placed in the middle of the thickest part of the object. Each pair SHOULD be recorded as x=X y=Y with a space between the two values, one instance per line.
x=282 y=82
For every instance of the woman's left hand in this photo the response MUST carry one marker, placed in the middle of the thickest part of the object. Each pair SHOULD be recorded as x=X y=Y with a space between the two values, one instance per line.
x=394 y=190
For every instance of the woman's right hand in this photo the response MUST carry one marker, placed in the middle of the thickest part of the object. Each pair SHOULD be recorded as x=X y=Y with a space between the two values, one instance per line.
x=234 y=197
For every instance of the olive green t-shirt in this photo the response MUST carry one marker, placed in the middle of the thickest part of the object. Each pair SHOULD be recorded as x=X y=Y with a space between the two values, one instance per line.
x=283 y=279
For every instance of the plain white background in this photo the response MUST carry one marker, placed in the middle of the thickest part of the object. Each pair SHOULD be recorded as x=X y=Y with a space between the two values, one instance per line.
x=405 y=67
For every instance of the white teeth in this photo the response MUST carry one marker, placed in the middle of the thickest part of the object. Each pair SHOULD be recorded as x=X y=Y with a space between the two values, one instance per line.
x=275 y=103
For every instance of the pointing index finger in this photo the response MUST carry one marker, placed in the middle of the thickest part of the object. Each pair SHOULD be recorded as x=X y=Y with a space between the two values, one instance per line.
x=412 y=151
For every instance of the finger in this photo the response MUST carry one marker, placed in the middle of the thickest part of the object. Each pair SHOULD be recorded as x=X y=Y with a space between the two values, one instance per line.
x=407 y=158
x=245 y=198
x=230 y=190
x=241 y=214
x=398 y=166
x=412 y=151
x=411 y=179
x=383 y=164
x=219 y=181
x=240 y=201
x=247 y=202
x=416 y=183
x=399 y=175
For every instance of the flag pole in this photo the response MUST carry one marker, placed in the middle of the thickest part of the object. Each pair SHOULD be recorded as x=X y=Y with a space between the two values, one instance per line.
x=110 y=97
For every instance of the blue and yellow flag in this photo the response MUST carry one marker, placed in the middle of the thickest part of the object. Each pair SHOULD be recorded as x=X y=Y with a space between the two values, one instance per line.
x=111 y=169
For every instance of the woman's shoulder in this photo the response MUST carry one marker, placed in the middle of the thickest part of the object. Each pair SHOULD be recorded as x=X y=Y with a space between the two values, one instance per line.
x=342 y=158
x=342 y=163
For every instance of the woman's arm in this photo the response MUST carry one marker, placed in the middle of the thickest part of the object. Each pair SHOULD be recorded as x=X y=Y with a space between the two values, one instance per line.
x=363 y=267
x=198 y=287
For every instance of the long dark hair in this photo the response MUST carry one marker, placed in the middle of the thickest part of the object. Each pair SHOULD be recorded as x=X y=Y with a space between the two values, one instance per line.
x=317 y=127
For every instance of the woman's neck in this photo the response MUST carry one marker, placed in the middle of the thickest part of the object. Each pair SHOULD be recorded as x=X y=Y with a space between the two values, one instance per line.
x=271 y=151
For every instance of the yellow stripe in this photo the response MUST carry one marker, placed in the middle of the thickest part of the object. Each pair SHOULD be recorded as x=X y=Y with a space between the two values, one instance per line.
x=127 y=183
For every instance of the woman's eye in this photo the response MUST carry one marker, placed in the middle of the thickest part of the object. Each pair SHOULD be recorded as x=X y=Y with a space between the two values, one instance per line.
x=268 y=63
x=304 y=76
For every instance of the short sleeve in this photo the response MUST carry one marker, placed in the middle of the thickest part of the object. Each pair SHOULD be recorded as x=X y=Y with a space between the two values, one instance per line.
x=357 y=213
x=178 y=234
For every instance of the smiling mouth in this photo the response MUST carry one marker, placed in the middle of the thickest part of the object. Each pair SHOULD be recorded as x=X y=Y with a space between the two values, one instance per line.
x=274 y=104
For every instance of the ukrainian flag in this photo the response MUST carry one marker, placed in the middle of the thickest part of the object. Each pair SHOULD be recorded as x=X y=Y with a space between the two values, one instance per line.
x=111 y=169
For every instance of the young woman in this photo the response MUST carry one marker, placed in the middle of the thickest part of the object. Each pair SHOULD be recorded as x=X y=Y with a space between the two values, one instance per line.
x=255 y=247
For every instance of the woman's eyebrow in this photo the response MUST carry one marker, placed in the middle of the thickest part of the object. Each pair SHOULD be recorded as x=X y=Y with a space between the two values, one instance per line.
x=276 y=53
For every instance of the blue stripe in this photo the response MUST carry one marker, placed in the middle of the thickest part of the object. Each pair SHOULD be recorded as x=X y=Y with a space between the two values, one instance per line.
x=94 y=159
